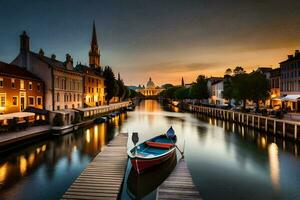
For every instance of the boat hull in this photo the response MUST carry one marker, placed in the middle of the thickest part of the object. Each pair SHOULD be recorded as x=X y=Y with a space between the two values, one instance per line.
x=142 y=164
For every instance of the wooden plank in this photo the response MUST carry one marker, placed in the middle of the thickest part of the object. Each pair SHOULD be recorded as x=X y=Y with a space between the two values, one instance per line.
x=179 y=185
x=103 y=177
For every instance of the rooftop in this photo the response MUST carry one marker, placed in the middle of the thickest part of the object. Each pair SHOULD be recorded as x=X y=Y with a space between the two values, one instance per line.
x=16 y=71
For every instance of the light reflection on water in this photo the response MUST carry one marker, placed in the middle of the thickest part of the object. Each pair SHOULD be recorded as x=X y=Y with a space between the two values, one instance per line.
x=50 y=166
x=227 y=161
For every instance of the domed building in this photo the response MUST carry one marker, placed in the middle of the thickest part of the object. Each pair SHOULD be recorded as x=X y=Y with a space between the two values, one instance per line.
x=151 y=89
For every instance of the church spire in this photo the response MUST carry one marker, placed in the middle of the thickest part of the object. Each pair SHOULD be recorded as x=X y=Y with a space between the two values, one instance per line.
x=94 y=42
x=182 y=82
x=94 y=54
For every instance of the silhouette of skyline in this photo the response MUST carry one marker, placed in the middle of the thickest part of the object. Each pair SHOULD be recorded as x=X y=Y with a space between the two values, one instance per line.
x=140 y=39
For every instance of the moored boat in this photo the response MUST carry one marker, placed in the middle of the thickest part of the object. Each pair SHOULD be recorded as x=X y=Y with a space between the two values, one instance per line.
x=141 y=185
x=153 y=151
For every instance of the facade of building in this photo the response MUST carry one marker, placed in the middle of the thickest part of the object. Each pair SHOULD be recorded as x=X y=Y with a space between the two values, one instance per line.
x=63 y=85
x=151 y=89
x=93 y=86
x=210 y=82
x=19 y=89
x=217 y=89
x=275 y=88
x=290 y=82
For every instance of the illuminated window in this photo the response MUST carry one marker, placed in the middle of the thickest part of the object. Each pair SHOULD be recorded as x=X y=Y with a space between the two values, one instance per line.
x=2 y=100
x=1 y=82
x=15 y=101
x=13 y=84
x=31 y=101
x=21 y=84
x=30 y=85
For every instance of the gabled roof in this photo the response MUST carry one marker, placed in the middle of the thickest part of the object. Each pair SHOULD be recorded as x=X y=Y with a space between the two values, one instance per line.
x=292 y=57
x=16 y=71
x=264 y=69
x=52 y=62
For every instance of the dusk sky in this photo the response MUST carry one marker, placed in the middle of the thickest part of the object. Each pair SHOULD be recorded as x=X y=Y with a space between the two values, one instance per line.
x=162 y=39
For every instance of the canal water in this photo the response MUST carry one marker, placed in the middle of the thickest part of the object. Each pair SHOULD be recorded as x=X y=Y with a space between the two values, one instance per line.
x=226 y=161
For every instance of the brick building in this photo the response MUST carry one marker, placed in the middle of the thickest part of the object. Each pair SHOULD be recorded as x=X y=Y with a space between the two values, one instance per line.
x=19 y=89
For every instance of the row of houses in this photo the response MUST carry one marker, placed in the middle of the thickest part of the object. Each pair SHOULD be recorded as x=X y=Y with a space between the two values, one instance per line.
x=39 y=82
x=284 y=84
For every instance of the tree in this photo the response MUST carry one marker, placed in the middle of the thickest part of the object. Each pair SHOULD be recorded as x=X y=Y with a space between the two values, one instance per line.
x=228 y=88
x=260 y=87
x=199 y=90
x=169 y=93
x=127 y=92
x=122 y=91
x=111 y=85
x=132 y=93
x=228 y=72
x=238 y=70
x=182 y=93
x=167 y=85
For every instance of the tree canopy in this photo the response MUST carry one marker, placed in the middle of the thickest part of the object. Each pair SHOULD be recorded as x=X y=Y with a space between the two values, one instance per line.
x=111 y=85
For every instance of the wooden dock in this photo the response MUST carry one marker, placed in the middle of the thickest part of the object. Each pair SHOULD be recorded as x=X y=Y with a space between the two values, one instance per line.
x=103 y=177
x=179 y=185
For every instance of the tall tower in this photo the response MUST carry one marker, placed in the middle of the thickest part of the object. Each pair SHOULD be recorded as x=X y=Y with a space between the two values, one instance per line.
x=94 y=54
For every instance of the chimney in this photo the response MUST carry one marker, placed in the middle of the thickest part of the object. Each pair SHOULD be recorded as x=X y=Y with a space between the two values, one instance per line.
x=53 y=56
x=297 y=52
x=24 y=42
x=69 y=62
x=41 y=52
x=69 y=58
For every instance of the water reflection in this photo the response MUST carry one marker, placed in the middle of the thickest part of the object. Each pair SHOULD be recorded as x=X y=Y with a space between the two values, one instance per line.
x=52 y=164
x=274 y=165
x=227 y=160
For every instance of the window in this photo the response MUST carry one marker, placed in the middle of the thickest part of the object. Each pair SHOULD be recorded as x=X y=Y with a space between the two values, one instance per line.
x=58 y=108
x=2 y=100
x=57 y=97
x=31 y=101
x=13 y=84
x=92 y=90
x=39 y=101
x=1 y=82
x=29 y=85
x=39 y=87
x=74 y=97
x=21 y=84
x=15 y=101
x=56 y=82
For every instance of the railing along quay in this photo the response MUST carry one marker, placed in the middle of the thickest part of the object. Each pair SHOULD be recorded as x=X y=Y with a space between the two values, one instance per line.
x=278 y=127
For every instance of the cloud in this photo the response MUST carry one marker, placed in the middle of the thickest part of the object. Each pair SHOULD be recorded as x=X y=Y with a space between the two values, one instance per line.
x=176 y=67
